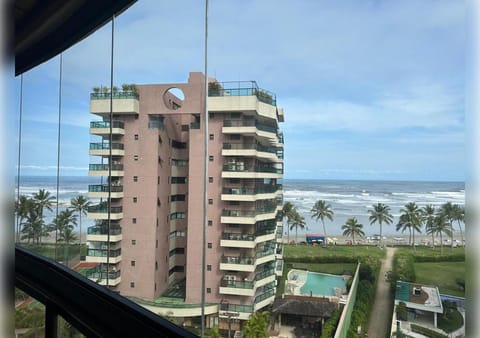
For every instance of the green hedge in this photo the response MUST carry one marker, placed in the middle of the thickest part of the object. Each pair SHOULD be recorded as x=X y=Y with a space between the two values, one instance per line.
x=427 y=332
x=440 y=258
x=321 y=259
x=330 y=325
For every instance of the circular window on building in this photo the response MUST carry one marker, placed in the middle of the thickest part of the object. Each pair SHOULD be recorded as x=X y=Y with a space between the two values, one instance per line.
x=173 y=98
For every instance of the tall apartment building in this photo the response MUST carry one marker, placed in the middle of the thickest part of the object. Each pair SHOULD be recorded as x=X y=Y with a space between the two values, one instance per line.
x=154 y=175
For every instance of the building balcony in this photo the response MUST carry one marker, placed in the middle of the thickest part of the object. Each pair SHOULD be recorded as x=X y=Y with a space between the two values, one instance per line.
x=250 y=150
x=101 y=212
x=247 y=216
x=101 y=191
x=100 y=234
x=234 y=263
x=248 y=241
x=102 y=128
x=249 y=194
x=102 y=170
x=279 y=268
x=264 y=278
x=100 y=256
x=237 y=311
x=249 y=128
x=240 y=170
x=264 y=299
x=124 y=103
x=263 y=257
x=103 y=149
x=100 y=277
x=237 y=287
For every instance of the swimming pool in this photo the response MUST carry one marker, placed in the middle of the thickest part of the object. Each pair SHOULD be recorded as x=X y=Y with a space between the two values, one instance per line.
x=322 y=284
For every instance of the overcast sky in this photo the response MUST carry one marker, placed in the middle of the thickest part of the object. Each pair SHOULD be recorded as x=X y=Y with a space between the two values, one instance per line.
x=371 y=89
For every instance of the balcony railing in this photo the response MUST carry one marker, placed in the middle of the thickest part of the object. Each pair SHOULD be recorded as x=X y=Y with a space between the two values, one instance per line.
x=264 y=253
x=88 y=307
x=247 y=213
x=104 y=146
x=106 y=124
x=241 y=88
x=268 y=294
x=100 y=208
x=238 y=237
x=103 y=252
x=237 y=260
x=249 y=123
x=103 y=167
x=264 y=274
x=251 y=168
x=249 y=146
x=117 y=95
x=94 y=274
x=236 y=308
x=96 y=230
x=227 y=283
x=104 y=188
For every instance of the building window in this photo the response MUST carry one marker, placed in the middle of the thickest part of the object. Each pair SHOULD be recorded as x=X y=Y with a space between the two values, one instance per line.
x=156 y=265
x=209 y=245
x=156 y=243
x=179 y=163
x=209 y=267
x=211 y=137
x=134 y=220
x=185 y=127
x=177 y=215
x=135 y=137
x=132 y=263
x=210 y=201
x=134 y=242
x=135 y=178
x=132 y=284
x=134 y=200
x=177 y=198
x=210 y=180
x=135 y=157
x=210 y=158
x=210 y=222
x=179 y=180
x=209 y=290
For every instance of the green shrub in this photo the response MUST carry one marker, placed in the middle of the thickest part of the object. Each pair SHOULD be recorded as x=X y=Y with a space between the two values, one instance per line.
x=427 y=332
x=330 y=325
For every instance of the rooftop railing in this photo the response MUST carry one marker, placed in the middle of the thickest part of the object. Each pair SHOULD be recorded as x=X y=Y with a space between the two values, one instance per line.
x=117 y=95
x=241 y=88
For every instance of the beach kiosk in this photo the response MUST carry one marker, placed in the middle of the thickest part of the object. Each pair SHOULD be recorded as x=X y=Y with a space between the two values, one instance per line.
x=315 y=239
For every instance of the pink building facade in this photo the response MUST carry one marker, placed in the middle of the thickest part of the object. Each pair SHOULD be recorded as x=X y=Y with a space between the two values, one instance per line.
x=153 y=177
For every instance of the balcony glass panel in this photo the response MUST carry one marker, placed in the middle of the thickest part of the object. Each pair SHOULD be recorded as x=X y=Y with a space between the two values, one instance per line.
x=106 y=124
x=237 y=260
x=227 y=283
x=98 y=230
x=103 y=209
x=102 y=167
x=104 y=188
x=95 y=274
x=236 y=308
x=104 y=145
x=103 y=252
x=268 y=294
x=237 y=237
x=264 y=274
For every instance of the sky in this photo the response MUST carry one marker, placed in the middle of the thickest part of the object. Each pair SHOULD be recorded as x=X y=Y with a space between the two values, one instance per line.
x=372 y=90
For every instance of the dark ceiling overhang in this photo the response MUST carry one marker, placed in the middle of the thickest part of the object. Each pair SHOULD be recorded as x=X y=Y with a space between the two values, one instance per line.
x=45 y=28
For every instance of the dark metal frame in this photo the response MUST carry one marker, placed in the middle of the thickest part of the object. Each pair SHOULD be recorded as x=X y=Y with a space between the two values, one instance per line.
x=90 y=308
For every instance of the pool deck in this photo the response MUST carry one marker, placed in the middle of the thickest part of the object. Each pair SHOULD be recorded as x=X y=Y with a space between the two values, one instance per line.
x=296 y=279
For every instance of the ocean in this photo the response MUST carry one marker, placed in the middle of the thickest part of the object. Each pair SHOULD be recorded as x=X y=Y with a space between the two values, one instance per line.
x=347 y=198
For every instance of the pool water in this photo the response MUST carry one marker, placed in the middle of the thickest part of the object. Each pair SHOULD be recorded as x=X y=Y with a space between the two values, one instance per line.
x=322 y=284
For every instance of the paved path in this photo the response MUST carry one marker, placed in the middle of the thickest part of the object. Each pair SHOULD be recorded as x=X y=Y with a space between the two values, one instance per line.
x=382 y=309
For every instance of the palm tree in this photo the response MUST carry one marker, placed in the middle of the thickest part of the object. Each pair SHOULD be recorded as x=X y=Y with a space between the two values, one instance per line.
x=428 y=213
x=22 y=208
x=459 y=216
x=379 y=214
x=286 y=212
x=43 y=200
x=80 y=204
x=64 y=224
x=322 y=210
x=441 y=226
x=448 y=210
x=297 y=221
x=32 y=227
x=412 y=215
x=352 y=228
x=403 y=225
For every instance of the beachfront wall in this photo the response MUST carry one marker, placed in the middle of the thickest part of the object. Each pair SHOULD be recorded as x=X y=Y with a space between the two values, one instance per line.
x=344 y=322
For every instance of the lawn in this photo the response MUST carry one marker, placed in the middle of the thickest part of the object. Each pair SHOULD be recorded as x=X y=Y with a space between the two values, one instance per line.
x=48 y=250
x=423 y=251
x=443 y=275
x=295 y=251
